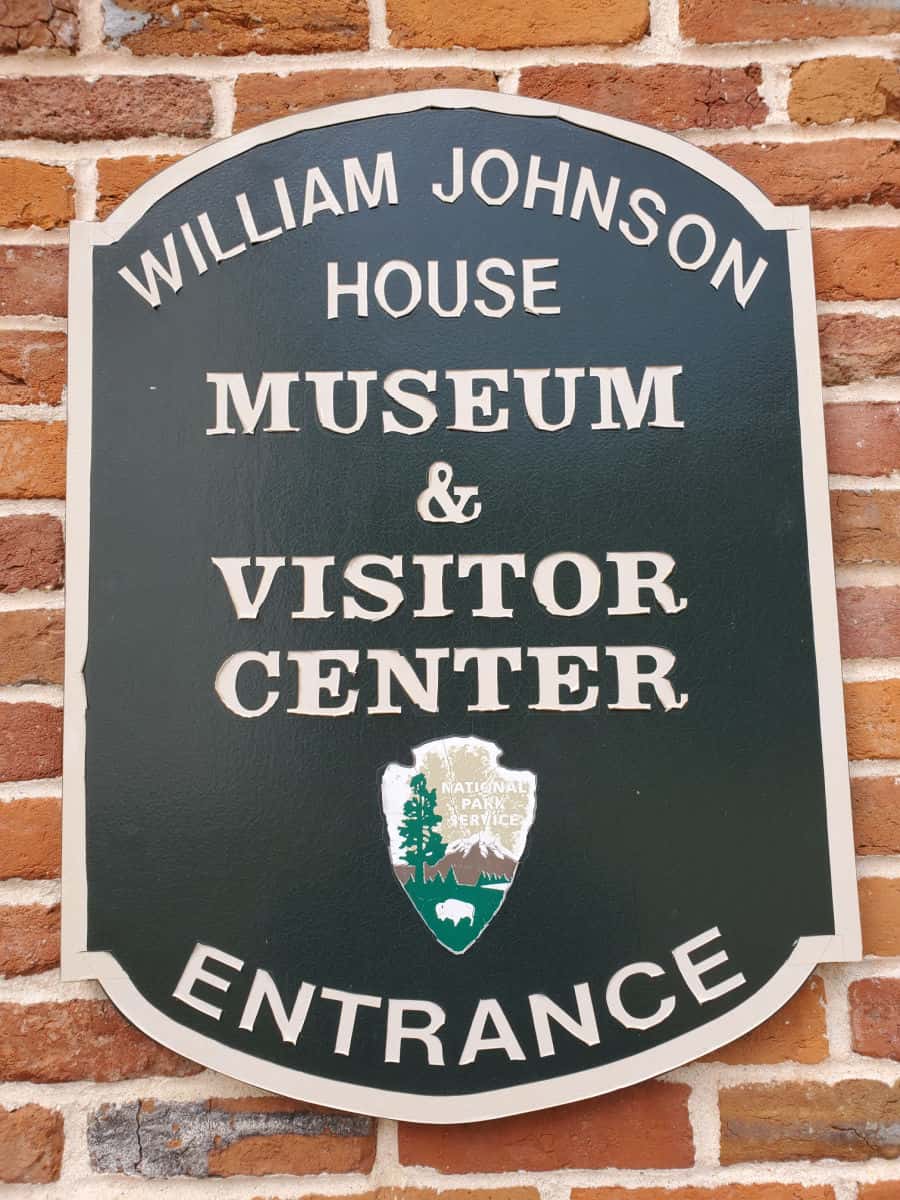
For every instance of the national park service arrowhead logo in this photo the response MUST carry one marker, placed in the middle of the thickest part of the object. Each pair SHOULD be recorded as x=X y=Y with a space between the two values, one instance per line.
x=457 y=825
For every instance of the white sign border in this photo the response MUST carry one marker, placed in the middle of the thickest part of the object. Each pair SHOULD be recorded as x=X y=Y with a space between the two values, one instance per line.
x=844 y=945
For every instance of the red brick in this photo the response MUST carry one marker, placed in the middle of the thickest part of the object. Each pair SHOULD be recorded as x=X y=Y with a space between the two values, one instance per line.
x=265 y=97
x=876 y=814
x=769 y=20
x=854 y=346
x=79 y=1039
x=857 y=264
x=820 y=174
x=260 y=27
x=644 y=1126
x=29 y=938
x=31 y=646
x=66 y=108
x=828 y=90
x=30 y=741
x=32 y=459
x=35 y=194
x=670 y=97
x=879 y=911
x=873 y=718
x=863 y=439
x=870 y=622
x=31 y=1144
x=510 y=24
x=33 y=280
x=852 y=1121
x=31 y=553
x=889 y=1190
x=38 y=24
x=796 y=1033
x=875 y=1017
x=117 y=178
x=32 y=367
x=30 y=838
x=866 y=526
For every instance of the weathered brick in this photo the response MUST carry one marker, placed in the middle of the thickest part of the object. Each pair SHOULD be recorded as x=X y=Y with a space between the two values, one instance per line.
x=853 y=346
x=857 y=264
x=35 y=194
x=511 y=24
x=731 y=1191
x=875 y=1017
x=264 y=97
x=643 y=1126
x=30 y=741
x=866 y=526
x=670 y=97
x=32 y=367
x=879 y=911
x=863 y=439
x=30 y=838
x=117 y=178
x=66 y=108
x=796 y=1033
x=202 y=1138
x=873 y=718
x=33 y=280
x=263 y=27
x=768 y=20
x=31 y=646
x=79 y=1039
x=31 y=1144
x=827 y=90
x=820 y=174
x=29 y=938
x=869 y=622
x=853 y=1120
x=31 y=553
x=876 y=814
x=32 y=459
x=38 y=24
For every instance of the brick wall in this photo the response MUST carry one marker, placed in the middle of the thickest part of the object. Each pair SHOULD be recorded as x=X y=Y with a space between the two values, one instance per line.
x=801 y=95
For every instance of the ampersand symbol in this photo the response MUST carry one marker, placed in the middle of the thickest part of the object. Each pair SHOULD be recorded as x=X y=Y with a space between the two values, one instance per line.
x=439 y=502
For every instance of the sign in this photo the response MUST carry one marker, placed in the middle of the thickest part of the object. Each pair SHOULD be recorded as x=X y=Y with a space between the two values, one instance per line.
x=453 y=715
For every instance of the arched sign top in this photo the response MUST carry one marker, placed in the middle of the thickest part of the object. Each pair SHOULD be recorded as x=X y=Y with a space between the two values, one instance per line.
x=452 y=641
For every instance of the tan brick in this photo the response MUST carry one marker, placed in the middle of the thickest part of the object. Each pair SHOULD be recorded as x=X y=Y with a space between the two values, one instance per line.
x=66 y=108
x=730 y=1191
x=854 y=1120
x=863 y=439
x=117 y=178
x=869 y=622
x=32 y=367
x=511 y=24
x=644 y=1126
x=820 y=174
x=31 y=553
x=33 y=280
x=866 y=526
x=889 y=1190
x=876 y=814
x=879 y=911
x=873 y=718
x=265 y=97
x=261 y=27
x=30 y=741
x=875 y=1017
x=79 y=1039
x=32 y=459
x=38 y=24
x=31 y=1144
x=857 y=264
x=670 y=97
x=29 y=938
x=827 y=90
x=796 y=1033
x=31 y=646
x=769 y=20
x=854 y=346
x=35 y=194
x=30 y=838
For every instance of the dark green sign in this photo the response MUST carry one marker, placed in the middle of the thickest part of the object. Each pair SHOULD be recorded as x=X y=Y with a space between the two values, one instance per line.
x=453 y=703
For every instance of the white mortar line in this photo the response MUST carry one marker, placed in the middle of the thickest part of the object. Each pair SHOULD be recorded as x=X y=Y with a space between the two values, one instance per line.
x=31 y=789
x=868 y=308
x=868 y=575
x=837 y=1017
x=42 y=413
x=90 y=14
x=703 y=1112
x=86 y=189
x=379 y=34
x=865 y=483
x=866 y=670
x=775 y=88
x=31 y=598
x=870 y=768
x=856 y=216
x=37 y=324
x=222 y=91
x=881 y=390
x=881 y=866
x=26 y=508
x=665 y=33
x=508 y=82
x=34 y=236
x=29 y=891
x=32 y=693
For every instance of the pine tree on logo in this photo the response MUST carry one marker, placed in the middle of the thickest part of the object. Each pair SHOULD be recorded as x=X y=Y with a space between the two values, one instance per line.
x=420 y=842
